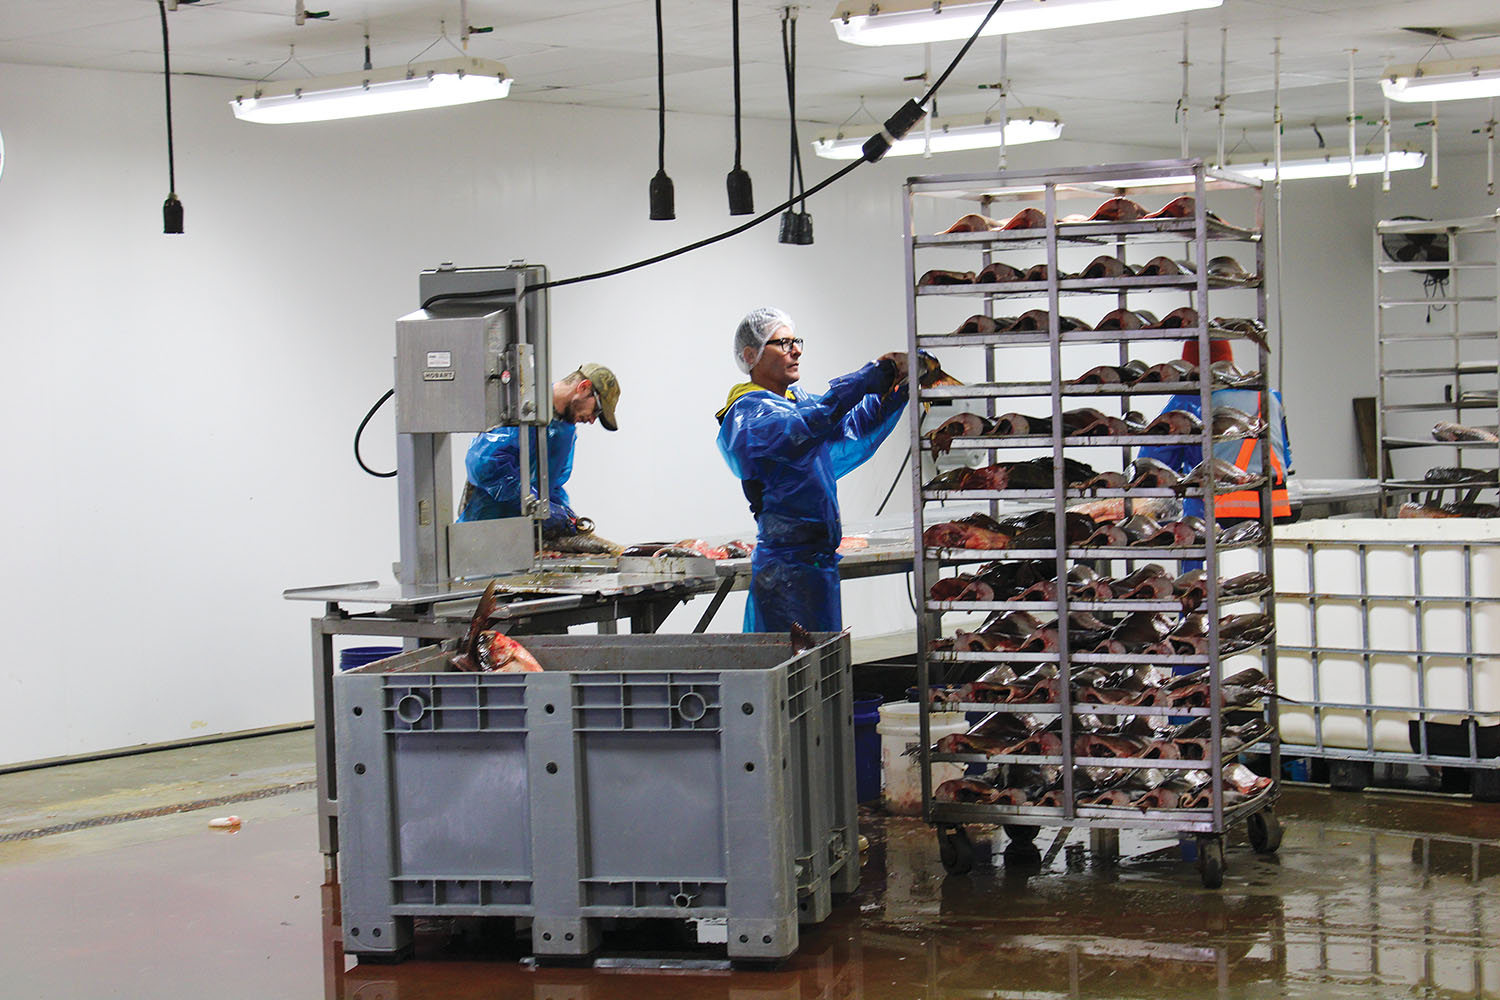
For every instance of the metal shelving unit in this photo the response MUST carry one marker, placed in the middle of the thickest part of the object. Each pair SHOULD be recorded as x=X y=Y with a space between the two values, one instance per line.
x=1438 y=356
x=1199 y=232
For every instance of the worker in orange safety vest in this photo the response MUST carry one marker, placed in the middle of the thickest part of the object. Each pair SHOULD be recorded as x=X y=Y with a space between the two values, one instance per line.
x=1246 y=454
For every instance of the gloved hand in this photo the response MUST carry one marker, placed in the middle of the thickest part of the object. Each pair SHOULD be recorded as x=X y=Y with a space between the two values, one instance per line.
x=563 y=521
x=897 y=358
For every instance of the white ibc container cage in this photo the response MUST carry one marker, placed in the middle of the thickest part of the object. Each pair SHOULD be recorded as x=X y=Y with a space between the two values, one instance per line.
x=1385 y=623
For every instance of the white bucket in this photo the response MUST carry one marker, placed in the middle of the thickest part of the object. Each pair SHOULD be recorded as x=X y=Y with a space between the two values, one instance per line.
x=899 y=732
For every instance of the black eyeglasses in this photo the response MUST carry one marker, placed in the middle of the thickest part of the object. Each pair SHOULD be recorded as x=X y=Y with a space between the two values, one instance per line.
x=785 y=343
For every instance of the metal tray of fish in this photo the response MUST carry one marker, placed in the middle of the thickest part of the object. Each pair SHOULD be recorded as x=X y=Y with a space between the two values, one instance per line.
x=988 y=555
x=1011 y=656
x=1074 y=441
x=1043 y=390
x=1085 y=286
x=1189 y=820
x=1025 y=337
x=1401 y=442
x=1092 y=233
x=1072 y=493
x=1169 y=606
x=1052 y=708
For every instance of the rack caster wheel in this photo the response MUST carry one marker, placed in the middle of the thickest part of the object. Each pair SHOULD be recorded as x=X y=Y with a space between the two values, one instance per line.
x=1211 y=861
x=1022 y=834
x=955 y=849
x=1264 y=831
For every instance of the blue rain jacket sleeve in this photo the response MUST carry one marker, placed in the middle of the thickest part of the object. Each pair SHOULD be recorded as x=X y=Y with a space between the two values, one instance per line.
x=790 y=453
x=493 y=468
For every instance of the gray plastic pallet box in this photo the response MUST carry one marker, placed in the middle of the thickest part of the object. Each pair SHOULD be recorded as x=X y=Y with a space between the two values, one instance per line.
x=672 y=776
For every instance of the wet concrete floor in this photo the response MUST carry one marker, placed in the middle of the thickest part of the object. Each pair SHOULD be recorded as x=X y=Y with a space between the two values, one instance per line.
x=1373 y=894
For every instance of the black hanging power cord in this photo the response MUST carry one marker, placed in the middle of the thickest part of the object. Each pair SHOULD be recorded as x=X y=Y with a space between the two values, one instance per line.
x=358 y=433
x=874 y=148
x=734 y=34
x=791 y=99
x=661 y=96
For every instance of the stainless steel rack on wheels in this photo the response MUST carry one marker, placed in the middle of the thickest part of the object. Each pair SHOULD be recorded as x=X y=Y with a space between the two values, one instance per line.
x=1109 y=710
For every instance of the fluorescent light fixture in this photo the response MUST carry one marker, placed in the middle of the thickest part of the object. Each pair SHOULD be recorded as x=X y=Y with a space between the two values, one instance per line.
x=1328 y=164
x=460 y=80
x=949 y=134
x=908 y=22
x=1452 y=80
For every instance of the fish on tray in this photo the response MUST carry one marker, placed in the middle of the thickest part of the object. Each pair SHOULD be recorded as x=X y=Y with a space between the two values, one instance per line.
x=1141 y=629
x=1175 y=422
x=1191 y=588
x=967 y=790
x=1172 y=792
x=991 y=736
x=962 y=425
x=1176 y=370
x=977 y=531
x=1176 y=534
x=1148 y=473
x=1105 y=266
x=1226 y=373
x=973 y=224
x=1446 y=430
x=1228 y=269
x=1160 y=267
x=487 y=650
x=1148 y=583
x=1126 y=319
x=1125 y=374
x=1240 y=785
x=999 y=272
x=1230 y=421
x=1043 y=534
x=1244 y=533
x=1225 y=474
x=1181 y=207
x=1117 y=210
x=1184 y=318
x=1020 y=425
x=940 y=277
x=1457 y=476
x=989 y=688
x=979 y=323
x=1125 y=790
x=1252 y=329
x=1026 y=218
x=1244 y=585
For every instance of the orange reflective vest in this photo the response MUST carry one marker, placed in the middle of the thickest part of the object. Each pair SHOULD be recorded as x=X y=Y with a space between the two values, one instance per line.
x=1246 y=503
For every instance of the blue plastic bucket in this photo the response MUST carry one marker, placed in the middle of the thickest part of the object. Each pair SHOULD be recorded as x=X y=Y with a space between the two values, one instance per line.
x=358 y=656
x=866 y=746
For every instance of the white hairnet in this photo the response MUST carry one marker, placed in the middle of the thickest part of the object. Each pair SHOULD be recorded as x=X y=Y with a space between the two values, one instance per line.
x=754 y=330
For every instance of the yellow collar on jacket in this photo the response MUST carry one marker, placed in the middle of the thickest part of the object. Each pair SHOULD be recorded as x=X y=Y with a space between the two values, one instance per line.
x=743 y=389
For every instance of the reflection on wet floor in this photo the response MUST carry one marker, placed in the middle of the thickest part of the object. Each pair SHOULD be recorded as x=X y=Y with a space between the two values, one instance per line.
x=1371 y=895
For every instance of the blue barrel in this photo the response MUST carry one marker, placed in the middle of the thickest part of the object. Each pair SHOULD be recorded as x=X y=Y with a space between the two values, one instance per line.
x=358 y=656
x=866 y=746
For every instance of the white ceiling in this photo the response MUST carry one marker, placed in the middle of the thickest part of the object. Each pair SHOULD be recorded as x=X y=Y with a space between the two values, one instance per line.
x=1111 y=83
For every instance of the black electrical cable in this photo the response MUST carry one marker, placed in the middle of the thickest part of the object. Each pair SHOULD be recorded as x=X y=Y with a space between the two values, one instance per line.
x=896 y=126
x=661 y=96
x=734 y=34
x=357 y=434
x=166 y=62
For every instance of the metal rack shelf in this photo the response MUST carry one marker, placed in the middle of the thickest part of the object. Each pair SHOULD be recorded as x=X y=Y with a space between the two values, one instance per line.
x=1411 y=347
x=1049 y=188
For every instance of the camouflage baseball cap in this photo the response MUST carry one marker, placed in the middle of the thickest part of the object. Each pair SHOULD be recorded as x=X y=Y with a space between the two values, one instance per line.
x=607 y=389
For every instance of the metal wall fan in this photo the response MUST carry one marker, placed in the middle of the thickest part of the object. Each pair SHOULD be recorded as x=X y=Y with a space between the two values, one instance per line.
x=1417 y=248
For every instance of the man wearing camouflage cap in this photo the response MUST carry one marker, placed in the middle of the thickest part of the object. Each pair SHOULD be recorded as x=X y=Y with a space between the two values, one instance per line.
x=493 y=462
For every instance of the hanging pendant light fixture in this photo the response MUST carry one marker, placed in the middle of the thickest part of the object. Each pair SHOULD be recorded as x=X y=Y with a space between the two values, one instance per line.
x=171 y=209
x=663 y=197
x=796 y=226
x=741 y=197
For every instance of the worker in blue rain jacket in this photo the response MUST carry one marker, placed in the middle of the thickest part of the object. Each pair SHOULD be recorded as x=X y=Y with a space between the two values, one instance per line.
x=1234 y=505
x=493 y=460
x=789 y=448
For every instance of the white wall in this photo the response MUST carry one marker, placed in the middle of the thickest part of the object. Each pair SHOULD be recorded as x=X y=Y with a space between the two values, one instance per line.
x=180 y=408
